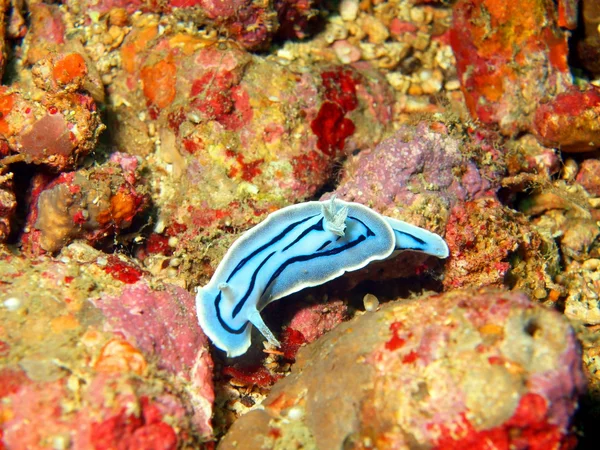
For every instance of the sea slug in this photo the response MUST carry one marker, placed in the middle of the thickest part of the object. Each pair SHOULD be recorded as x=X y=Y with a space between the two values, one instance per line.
x=296 y=247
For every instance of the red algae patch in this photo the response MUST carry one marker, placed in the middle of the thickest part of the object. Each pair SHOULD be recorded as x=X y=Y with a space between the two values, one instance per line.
x=122 y=271
x=70 y=67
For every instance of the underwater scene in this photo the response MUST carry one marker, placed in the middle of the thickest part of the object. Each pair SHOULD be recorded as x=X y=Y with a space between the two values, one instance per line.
x=299 y=224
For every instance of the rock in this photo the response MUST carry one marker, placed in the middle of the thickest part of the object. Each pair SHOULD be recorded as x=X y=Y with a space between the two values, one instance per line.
x=308 y=322
x=583 y=302
x=446 y=371
x=96 y=355
x=216 y=122
x=315 y=320
x=581 y=277
x=209 y=105
x=587 y=48
x=434 y=171
x=497 y=90
x=176 y=343
x=249 y=24
x=430 y=171
x=90 y=204
x=527 y=155
x=564 y=212
x=4 y=11
x=47 y=115
x=491 y=245
x=578 y=239
x=56 y=131
x=589 y=176
x=519 y=79
x=60 y=73
x=47 y=31
x=17 y=26
x=297 y=20
x=570 y=120
x=8 y=205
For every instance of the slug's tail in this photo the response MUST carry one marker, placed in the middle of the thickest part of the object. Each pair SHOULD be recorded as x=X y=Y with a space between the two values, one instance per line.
x=411 y=237
x=233 y=342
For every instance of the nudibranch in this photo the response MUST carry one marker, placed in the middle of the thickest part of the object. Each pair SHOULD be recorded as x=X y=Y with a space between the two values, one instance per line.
x=299 y=246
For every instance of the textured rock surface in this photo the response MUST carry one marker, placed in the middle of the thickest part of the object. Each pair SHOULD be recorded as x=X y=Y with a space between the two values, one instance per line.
x=569 y=213
x=490 y=245
x=497 y=91
x=217 y=123
x=588 y=42
x=4 y=7
x=447 y=371
x=570 y=120
x=432 y=171
x=589 y=176
x=95 y=356
x=252 y=25
x=8 y=205
x=56 y=131
x=220 y=124
x=90 y=204
x=516 y=75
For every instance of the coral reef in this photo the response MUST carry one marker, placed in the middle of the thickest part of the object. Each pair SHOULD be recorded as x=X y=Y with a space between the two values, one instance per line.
x=139 y=139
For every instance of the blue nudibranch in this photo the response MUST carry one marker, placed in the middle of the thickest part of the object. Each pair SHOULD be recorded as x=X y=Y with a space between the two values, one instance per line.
x=296 y=247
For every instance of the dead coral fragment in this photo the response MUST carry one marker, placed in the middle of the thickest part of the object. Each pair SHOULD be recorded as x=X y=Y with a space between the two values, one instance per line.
x=59 y=73
x=55 y=131
x=89 y=203
x=490 y=245
x=8 y=205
